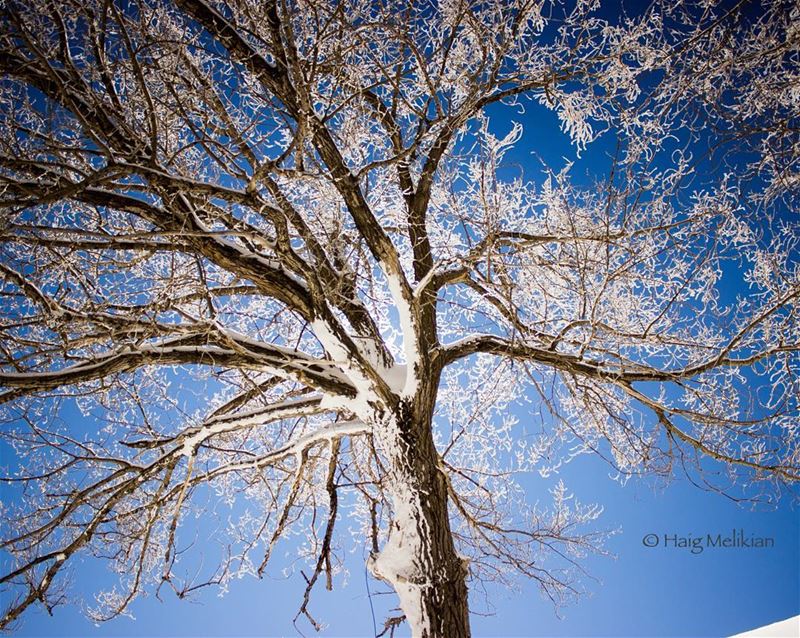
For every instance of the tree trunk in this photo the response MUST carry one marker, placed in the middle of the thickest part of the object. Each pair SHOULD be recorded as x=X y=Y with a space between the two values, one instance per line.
x=419 y=559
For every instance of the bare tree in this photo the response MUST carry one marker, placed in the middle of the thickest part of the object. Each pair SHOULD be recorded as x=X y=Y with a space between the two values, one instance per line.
x=276 y=248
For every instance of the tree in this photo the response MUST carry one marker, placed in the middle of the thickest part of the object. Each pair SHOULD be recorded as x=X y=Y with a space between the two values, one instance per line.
x=275 y=246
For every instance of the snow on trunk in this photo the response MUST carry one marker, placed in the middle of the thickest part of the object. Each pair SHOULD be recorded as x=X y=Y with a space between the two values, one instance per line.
x=419 y=559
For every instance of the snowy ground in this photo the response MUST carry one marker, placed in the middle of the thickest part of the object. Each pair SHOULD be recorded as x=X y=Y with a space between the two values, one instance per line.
x=789 y=628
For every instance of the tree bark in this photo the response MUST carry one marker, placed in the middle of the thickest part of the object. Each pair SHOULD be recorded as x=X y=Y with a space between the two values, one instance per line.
x=419 y=559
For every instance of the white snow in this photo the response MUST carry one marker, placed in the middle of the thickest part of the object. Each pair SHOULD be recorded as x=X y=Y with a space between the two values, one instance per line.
x=396 y=562
x=290 y=407
x=329 y=341
x=256 y=415
x=341 y=357
x=395 y=377
x=409 y=333
x=191 y=443
x=789 y=628
x=296 y=446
